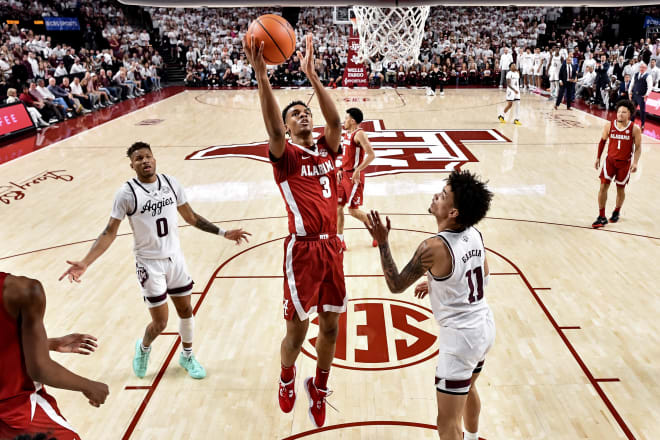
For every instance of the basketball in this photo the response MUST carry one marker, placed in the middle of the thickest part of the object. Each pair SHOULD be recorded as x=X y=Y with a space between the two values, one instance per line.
x=278 y=36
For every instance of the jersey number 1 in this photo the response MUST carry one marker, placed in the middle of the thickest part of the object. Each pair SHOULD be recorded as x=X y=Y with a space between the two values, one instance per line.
x=478 y=274
x=161 y=227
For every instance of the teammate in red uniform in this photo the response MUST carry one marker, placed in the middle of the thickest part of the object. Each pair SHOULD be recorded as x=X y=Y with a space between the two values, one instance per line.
x=356 y=146
x=625 y=145
x=305 y=173
x=25 y=407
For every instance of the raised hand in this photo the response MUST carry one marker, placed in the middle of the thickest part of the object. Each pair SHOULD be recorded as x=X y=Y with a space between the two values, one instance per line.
x=237 y=235
x=254 y=53
x=376 y=228
x=74 y=272
x=74 y=343
x=307 y=62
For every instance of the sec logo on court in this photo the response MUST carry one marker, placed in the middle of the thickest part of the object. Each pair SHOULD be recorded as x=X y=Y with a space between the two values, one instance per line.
x=381 y=334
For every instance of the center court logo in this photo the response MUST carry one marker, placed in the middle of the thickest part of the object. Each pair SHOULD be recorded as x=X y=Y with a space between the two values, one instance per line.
x=397 y=151
x=381 y=334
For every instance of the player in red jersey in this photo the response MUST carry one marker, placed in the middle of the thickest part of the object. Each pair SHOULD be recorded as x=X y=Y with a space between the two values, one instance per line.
x=25 y=407
x=305 y=173
x=356 y=146
x=625 y=145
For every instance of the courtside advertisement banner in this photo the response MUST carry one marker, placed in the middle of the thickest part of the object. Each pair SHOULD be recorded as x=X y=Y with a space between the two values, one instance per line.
x=653 y=104
x=14 y=119
x=355 y=73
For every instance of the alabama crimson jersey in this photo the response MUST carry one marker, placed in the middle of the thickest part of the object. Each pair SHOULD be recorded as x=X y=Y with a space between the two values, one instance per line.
x=307 y=179
x=621 y=142
x=353 y=153
x=15 y=384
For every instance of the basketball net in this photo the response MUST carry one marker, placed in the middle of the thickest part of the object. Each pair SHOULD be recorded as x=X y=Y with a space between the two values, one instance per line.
x=394 y=33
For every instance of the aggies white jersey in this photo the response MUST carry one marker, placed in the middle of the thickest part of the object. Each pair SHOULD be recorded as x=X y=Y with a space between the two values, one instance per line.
x=458 y=299
x=152 y=212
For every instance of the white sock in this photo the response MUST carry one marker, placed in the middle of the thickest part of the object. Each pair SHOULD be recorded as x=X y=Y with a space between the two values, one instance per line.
x=470 y=435
x=145 y=349
x=516 y=109
x=341 y=236
x=187 y=352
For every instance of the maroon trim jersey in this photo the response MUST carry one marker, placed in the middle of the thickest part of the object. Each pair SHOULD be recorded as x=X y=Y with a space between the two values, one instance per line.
x=621 y=142
x=307 y=179
x=353 y=153
x=15 y=383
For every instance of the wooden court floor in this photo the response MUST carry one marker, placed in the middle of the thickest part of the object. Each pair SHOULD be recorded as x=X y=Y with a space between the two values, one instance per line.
x=576 y=309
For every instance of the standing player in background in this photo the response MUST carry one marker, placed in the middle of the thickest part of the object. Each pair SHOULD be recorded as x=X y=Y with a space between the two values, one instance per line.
x=25 y=364
x=358 y=155
x=305 y=173
x=454 y=262
x=537 y=69
x=553 y=73
x=526 y=63
x=624 y=141
x=512 y=94
x=151 y=202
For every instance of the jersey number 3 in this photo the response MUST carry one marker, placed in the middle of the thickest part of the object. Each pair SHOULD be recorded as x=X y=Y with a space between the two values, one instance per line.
x=478 y=274
x=325 y=183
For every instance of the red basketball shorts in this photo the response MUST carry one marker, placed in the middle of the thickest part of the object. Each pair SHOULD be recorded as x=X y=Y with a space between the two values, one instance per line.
x=617 y=170
x=349 y=193
x=47 y=419
x=313 y=276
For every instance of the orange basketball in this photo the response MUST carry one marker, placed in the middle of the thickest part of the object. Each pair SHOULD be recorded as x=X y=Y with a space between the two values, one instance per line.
x=278 y=36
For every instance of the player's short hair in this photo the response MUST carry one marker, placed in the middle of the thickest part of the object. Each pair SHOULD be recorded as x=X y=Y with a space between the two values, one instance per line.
x=293 y=104
x=356 y=114
x=471 y=197
x=511 y=64
x=627 y=104
x=137 y=146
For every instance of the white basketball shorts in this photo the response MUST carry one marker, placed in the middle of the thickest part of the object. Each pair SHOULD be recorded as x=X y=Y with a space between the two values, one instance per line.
x=161 y=277
x=462 y=353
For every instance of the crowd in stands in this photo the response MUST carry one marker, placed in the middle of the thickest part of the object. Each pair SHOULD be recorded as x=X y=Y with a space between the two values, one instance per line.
x=58 y=82
x=461 y=45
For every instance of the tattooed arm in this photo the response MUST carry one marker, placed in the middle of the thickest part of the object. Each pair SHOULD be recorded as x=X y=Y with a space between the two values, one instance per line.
x=196 y=220
x=416 y=267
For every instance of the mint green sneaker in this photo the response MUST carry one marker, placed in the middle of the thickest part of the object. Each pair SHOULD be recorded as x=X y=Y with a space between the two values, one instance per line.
x=192 y=366
x=140 y=360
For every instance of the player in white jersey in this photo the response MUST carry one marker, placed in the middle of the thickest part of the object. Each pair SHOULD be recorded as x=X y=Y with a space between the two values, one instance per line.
x=512 y=95
x=553 y=73
x=538 y=69
x=455 y=263
x=151 y=202
x=526 y=68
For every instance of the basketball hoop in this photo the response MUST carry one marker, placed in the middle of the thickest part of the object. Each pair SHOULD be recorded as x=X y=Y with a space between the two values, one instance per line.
x=394 y=33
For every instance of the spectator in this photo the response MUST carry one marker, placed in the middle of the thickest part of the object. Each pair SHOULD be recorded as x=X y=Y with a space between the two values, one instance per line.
x=39 y=122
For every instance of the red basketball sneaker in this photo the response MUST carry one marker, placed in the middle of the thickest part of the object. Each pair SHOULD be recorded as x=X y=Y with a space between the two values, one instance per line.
x=287 y=394
x=316 y=402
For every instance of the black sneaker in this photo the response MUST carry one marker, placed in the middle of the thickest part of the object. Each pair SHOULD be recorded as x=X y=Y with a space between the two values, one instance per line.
x=599 y=223
x=615 y=217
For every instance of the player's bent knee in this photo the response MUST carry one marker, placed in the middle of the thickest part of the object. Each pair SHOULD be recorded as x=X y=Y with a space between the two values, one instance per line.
x=159 y=325
x=329 y=334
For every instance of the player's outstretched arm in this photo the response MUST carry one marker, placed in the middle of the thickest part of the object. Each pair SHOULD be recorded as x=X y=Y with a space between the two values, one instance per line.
x=270 y=110
x=416 y=267
x=102 y=243
x=332 y=131
x=196 y=220
x=31 y=305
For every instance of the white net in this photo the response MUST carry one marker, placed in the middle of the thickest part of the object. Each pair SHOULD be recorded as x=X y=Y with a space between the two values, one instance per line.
x=393 y=33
